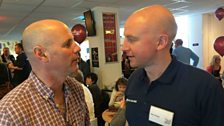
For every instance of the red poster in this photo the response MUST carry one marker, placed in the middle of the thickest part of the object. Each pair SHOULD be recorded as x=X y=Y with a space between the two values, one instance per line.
x=110 y=40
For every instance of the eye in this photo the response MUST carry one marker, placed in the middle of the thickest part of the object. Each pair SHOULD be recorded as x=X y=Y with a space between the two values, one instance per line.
x=67 y=44
x=131 y=39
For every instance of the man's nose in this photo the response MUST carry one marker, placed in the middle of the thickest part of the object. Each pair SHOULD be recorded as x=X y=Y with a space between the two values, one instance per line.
x=77 y=48
x=125 y=45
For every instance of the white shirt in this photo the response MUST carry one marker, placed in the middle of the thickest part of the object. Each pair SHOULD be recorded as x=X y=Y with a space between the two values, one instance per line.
x=112 y=97
x=89 y=102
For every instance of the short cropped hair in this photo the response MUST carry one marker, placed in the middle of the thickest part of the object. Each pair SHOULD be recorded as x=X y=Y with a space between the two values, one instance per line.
x=93 y=77
x=19 y=45
x=179 y=41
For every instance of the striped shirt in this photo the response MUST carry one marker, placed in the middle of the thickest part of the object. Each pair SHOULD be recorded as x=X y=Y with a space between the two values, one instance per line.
x=31 y=103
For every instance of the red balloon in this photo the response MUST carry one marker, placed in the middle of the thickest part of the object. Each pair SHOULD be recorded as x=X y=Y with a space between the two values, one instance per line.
x=79 y=33
x=219 y=45
x=219 y=13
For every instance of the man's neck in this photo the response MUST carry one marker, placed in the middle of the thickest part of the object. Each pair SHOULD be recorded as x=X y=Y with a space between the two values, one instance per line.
x=155 y=70
x=54 y=82
x=59 y=95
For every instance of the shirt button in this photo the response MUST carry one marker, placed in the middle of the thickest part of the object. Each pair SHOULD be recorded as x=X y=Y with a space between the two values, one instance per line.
x=46 y=97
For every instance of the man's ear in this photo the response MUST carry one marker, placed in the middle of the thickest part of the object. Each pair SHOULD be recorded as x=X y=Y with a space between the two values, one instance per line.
x=163 y=42
x=40 y=53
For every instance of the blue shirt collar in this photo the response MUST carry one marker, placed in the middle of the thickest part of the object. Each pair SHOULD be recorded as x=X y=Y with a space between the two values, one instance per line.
x=168 y=75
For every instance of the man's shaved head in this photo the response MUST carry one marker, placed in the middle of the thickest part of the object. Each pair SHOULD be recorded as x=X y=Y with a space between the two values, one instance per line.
x=43 y=33
x=154 y=18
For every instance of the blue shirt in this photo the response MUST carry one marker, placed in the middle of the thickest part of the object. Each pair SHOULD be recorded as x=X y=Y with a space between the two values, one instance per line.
x=185 y=54
x=195 y=97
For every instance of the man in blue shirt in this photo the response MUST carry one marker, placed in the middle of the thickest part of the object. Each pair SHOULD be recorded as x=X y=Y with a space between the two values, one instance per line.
x=164 y=91
x=184 y=54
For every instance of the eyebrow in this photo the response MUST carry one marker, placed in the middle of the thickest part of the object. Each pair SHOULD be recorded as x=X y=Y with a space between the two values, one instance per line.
x=67 y=43
x=132 y=37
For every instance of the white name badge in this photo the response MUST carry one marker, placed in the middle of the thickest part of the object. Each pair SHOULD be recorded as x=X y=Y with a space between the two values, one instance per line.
x=160 y=116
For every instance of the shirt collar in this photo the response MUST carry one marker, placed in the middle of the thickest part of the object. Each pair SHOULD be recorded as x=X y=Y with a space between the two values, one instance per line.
x=167 y=76
x=45 y=91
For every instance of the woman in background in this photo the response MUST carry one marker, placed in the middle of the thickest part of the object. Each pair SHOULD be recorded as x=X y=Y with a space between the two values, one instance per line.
x=215 y=67
x=118 y=94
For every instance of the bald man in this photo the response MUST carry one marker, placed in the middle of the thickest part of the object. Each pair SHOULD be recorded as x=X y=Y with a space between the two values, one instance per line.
x=48 y=97
x=164 y=91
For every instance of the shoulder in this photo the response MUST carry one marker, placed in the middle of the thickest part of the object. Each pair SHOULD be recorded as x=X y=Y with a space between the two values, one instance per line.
x=74 y=84
x=195 y=77
x=178 y=50
x=16 y=94
x=114 y=91
x=209 y=67
x=192 y=71
x=75 y=87
x=86 y=91
x=94 y=87
x=200 y=83
x=12 y=105
x=22 y=55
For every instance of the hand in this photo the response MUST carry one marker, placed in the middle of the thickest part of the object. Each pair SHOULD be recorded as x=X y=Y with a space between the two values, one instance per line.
x=119 y=94
x=18 y=68
x=10 y=66
x=123 y=104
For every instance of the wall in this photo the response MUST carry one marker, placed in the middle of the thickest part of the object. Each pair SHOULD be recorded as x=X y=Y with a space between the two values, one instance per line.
x=212 y=28
x=108 y=73
x=195 y=36
x=190 y=31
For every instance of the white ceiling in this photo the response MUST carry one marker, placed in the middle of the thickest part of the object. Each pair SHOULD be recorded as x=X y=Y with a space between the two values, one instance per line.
x=15 y=15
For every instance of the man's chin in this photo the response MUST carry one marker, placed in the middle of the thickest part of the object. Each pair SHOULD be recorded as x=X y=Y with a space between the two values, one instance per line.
x=133 y=65
x=73 y=70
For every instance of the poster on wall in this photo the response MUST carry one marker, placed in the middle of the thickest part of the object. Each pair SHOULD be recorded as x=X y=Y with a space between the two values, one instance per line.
x=110 y=40
x=95 y=57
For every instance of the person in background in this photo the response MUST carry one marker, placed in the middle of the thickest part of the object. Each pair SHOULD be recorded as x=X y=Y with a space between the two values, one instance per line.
x=49 y=97
x=126 y=68
x=5 y=85
x=163 y=90
x=184 y=54
x=91 y=82
x=21 y=66
x=4 y=78
x=88 y=62
x=6 y=57
x=83 y=66
x=118 y=93
x=88 y=96
x=215 y=67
